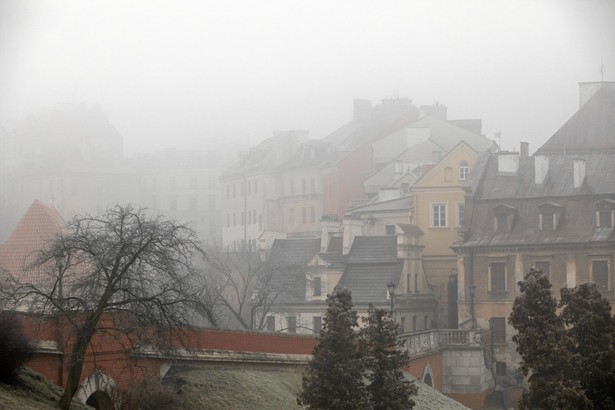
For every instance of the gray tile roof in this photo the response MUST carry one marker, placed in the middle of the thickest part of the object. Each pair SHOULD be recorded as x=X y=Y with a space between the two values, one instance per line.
x=373 y=249
x=590 y=128
x=368 y=282
x=294 y=252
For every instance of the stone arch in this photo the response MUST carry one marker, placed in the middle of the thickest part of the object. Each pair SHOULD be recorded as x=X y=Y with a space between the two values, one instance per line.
x=428 y=375
x=98 y=391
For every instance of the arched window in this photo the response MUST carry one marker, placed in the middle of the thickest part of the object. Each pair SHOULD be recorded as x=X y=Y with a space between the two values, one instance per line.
x=427 y=380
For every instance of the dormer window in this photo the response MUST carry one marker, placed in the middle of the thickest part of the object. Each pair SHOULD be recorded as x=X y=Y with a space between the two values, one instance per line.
x=504 y=216
x=605 y=210
x=549 y=215
x=464 y=170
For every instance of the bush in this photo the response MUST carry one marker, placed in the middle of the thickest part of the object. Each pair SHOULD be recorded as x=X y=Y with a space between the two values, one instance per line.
x=150 y=395
x=15 y=346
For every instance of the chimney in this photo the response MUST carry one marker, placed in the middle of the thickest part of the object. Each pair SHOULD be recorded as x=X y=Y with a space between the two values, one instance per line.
x=578 y=171
x=330 y=226
x=541 y=167
x=435 y=157
x=524 y=149
x=508 y=163
x=361 y=109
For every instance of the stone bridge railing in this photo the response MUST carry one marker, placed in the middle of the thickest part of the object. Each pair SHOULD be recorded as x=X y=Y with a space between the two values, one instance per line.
x=420 y=343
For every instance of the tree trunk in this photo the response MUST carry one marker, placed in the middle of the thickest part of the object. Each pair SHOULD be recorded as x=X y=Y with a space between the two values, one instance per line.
x=75 y=366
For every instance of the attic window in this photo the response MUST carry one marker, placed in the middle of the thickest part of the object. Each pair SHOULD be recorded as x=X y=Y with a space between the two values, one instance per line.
x=605 y=209
x=504 y=218
x=464 y=169
x=549 y=216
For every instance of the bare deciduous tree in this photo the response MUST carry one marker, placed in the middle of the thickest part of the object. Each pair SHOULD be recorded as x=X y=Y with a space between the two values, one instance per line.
x=126 y=265
x=248 y=282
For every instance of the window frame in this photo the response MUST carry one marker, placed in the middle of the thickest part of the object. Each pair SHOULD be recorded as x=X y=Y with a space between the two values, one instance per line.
x=459 y=219
x=464 y=170
x=504 y=278
x=441 y=215
x=498 y=333
x=607 y=274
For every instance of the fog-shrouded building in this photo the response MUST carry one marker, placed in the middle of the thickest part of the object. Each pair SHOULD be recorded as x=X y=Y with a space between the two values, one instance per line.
x=553 y=211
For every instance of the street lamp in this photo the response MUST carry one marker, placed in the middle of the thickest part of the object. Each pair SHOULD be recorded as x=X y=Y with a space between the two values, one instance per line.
x=391 y=289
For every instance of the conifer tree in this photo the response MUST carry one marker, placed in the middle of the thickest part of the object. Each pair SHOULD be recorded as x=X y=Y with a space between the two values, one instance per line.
x=387 y=389
x=587 y=315
x=545 y=349
x=334 y=377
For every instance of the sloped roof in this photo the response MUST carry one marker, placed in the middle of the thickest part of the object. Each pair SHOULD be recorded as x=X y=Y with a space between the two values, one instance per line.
x=592 y=127
x=397 y=204
x=447 y=135
x=373 y=249
x=520 y=192
x=40 y=224
x=294 y=252
x=368 y=282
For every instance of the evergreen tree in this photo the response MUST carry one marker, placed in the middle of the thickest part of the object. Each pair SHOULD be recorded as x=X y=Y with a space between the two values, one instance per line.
x=587 y=314
x=388 y=389
x=334 y=377
x=545 y=348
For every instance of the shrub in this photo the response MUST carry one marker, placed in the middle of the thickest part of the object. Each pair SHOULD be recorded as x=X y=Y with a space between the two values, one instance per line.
x=15 y=346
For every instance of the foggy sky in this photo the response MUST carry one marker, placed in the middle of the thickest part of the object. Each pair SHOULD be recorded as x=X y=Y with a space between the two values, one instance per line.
x=195 y=73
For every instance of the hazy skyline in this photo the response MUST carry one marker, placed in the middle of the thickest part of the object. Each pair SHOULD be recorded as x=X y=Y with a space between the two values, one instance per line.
x=189 y=73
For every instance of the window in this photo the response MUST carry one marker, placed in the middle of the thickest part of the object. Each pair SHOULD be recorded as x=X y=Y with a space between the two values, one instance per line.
x=547 y=221
x=292 y=187
x=501 y=223
x=260 y=222
x=604 y=213
x=271 y=323
x=498 y=277
x=438 y=212
x=234 y=191
x=254 y=186
x=292 y=324
x=460 y=213
x=390 y=229
x=600 y=274
x=243 y=218
x=303 y=186
x=464 y=169
x=426 y=323
x=498 y=329
x=316 y=324
x=414 y=323
x=312 y=214
x=304 y=215
x=243 y=189
x=193 y=203
x=402 y=325
x=234 y=219
x=228 y=220
x=605 y=219
x=503 y=218
x=500 y=368
x=249 y=187
x=212 y=227
x=211 y=183
x=317 y=286
x=193 y=183
x=312 y=185
x=543 y=266
x=211 y=203
x=291 y=216
x=228 y=192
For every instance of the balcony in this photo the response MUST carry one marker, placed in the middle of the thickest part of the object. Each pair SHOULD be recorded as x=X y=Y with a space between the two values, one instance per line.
x=421 y=343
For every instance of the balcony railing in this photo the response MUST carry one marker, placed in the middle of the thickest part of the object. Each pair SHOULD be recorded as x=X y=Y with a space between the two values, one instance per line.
x=420 y=343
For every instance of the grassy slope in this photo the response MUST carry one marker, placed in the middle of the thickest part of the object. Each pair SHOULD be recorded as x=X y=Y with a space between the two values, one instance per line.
x=32 y=392
x=218 y=389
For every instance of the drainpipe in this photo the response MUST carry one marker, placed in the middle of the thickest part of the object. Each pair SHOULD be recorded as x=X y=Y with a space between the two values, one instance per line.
x=472 y=289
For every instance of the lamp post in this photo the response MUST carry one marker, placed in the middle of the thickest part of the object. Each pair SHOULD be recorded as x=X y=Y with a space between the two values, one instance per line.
x=391 y=289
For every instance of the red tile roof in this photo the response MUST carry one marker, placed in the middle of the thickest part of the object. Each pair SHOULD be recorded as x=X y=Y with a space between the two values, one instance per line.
x=37 y=227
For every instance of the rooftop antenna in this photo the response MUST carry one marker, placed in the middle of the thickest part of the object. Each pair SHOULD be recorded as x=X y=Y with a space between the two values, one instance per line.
x=602 y=67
